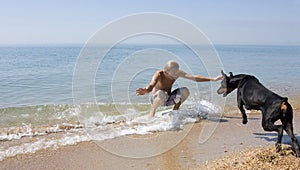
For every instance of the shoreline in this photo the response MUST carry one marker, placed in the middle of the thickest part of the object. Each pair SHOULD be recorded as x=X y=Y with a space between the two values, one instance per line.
x=229 y=137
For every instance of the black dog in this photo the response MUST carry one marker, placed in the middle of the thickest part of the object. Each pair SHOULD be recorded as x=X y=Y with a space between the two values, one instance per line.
x=253 y=95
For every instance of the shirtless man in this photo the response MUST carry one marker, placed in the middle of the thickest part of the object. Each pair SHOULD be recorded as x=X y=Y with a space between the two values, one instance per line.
x=161 y=85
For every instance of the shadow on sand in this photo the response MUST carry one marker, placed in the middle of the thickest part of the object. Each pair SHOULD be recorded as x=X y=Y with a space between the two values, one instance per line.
x=216 y=119
x=240 y=117
x=272 y=137
x=225 y=118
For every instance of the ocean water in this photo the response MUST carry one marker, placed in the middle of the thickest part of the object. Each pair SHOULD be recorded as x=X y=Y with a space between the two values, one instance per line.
x=36 y=90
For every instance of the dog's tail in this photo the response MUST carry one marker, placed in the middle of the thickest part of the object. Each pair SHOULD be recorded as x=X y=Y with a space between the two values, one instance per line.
x=286 y=108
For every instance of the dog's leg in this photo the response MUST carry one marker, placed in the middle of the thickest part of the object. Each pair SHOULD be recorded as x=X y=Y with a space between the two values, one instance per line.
x=289 y=131
x=241 y=107
x=279 y=139
x=269 y=125
x=287 y=122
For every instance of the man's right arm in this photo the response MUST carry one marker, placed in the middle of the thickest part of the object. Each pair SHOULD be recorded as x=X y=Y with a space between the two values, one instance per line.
x=147 y=89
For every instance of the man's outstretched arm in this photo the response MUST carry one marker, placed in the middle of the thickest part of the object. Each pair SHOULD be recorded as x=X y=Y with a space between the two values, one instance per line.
x=199 y=78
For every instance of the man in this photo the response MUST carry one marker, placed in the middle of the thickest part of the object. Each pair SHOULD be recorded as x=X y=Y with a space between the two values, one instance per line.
x=161 y=85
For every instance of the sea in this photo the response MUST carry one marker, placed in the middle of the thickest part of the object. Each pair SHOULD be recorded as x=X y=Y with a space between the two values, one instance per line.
x=47 y=100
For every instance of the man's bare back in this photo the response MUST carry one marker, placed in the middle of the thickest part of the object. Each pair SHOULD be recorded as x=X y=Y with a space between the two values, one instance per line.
x=164 y=81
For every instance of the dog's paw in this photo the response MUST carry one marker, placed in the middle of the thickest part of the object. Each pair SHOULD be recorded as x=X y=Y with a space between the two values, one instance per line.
x=245 y=121
x=297 y=151
x=278 y=147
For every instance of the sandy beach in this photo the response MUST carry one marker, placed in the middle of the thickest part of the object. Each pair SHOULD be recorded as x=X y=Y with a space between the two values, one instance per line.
x=229 y=137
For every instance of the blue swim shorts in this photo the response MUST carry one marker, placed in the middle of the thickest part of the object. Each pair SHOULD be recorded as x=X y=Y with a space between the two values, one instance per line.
x=173 y=98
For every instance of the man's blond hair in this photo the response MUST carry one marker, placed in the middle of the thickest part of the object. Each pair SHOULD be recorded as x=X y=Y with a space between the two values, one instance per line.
x=171 y=64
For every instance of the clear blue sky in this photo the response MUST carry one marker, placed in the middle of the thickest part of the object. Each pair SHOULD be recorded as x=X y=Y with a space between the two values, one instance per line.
x=223 y=21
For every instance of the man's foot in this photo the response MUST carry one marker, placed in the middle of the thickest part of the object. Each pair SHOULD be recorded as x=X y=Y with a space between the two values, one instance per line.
x=177 y=105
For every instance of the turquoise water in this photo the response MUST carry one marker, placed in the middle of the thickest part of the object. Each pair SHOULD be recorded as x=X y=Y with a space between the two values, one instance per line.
x=43 y=75
x=36 y=75
x=40 y=78
x=277 y=67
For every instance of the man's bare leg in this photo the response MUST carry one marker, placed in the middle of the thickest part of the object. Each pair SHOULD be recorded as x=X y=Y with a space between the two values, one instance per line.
x=158 y=101
x=177 y=105
x=184 y=95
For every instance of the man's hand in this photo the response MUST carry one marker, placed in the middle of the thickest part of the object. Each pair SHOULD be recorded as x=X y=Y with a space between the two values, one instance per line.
x=218 y=78
x=141 y=91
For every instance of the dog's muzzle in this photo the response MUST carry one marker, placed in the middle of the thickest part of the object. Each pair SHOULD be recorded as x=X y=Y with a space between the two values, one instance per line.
x=222 y=91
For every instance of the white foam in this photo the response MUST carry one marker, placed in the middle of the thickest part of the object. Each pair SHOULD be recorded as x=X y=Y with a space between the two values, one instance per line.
x=12 y=133
x=102 y=127
x=108 y=127
x=42 y=143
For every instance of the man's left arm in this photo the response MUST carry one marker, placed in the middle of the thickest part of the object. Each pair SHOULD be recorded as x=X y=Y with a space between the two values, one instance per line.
x=199 y=78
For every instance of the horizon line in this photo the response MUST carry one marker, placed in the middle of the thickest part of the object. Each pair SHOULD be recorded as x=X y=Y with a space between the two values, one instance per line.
x=84 y=44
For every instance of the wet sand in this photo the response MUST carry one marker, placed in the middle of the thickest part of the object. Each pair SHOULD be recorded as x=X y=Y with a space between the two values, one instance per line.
x=228 y=138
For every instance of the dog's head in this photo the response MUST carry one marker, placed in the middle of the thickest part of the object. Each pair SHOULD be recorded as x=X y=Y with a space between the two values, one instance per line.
x=227 y=85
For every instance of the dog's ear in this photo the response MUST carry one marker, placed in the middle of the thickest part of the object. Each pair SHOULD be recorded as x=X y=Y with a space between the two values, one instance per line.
x=230 y=74
x=223 y=74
